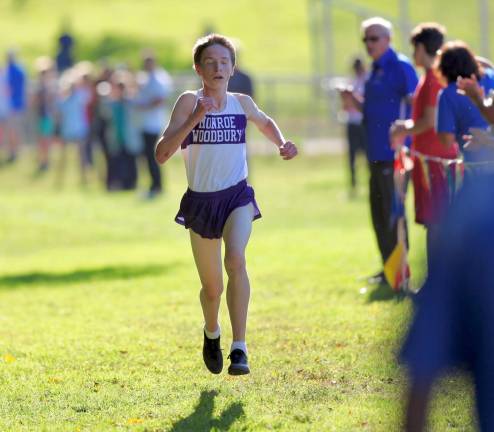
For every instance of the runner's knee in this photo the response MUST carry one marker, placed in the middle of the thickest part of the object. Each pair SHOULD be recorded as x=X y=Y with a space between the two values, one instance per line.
x=234 y=263
x=212 y=291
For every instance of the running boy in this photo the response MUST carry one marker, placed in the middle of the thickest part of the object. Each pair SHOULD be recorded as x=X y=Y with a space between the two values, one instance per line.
x=209 y=125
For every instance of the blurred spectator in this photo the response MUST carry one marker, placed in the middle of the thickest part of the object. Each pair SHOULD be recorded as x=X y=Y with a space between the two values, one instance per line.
x=471 y=88
x=456 y=113
x=355 y=130
x=484 y=62
x=240 y=81
x=87 y=87
x=4 y=106
x=17 y=83
x=155 y=86
x=74 y=123
x=44 y=104
x=453 y=326
x=65 y=58
x=124 y=138
x=486 y=74
x=100 y=116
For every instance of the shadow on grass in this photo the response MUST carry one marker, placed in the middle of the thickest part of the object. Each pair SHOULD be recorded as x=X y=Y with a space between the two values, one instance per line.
x=84 y=275
x=383 y=292
x=201 y=420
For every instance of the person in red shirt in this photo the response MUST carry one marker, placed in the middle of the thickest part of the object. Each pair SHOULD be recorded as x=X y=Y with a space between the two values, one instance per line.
x=429 y=181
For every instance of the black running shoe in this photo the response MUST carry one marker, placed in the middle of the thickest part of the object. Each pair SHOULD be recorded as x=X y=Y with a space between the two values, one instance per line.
x=211 y=353
x=239 y=365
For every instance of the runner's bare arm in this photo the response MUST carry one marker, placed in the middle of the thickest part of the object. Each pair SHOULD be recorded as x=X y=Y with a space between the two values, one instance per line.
x=267 y=126
x=183 y=119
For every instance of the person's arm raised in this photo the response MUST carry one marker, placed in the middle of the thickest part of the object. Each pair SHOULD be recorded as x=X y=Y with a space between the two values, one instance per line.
x=267 y=126
x=471 y=88
x=183 y=119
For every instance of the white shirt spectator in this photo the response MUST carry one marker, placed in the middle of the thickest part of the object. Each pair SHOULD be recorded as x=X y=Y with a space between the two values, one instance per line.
x=358 y=84
x=153 y=86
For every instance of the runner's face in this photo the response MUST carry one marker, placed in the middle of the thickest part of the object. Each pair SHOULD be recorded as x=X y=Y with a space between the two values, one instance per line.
x=215 y=67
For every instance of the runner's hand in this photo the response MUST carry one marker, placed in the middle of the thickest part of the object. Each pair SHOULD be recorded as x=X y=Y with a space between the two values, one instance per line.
x=204 y=106
x=288 y=150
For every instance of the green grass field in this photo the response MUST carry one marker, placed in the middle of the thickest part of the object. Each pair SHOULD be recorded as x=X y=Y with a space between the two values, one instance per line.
x=100 y=322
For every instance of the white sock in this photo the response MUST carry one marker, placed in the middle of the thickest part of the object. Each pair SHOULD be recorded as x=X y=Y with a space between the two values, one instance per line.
x=213 y=335
x=239 y=345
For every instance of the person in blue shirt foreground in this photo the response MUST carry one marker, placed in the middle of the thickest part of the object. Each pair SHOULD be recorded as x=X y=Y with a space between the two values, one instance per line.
x=453 y=326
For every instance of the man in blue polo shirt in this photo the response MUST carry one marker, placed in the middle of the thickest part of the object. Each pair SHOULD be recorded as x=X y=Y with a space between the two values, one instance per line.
x=387 y=97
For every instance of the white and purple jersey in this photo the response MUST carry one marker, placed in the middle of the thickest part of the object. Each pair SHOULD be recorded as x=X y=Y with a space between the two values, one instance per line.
x=215 y=151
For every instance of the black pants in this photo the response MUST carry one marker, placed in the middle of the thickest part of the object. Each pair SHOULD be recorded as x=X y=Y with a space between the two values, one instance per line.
x=98 y=133
x=381 y=194
x=122 y=170
x=356 y=141
x=150 y=140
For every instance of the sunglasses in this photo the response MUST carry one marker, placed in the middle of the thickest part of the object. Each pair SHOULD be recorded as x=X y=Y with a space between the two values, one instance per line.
x=372 y=39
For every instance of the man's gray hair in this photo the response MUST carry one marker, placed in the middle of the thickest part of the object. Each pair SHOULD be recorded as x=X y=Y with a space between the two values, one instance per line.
x=377 y=21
